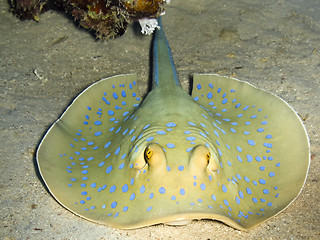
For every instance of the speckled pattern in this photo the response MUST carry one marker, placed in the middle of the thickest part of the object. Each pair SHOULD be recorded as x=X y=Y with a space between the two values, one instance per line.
x=273 y=45
x=223 y=153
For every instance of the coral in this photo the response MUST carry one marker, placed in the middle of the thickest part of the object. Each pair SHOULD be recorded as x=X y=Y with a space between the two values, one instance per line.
x=28 y=9
x=107 y=18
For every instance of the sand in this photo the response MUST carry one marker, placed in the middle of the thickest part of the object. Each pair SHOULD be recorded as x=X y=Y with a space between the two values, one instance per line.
x=272 y=44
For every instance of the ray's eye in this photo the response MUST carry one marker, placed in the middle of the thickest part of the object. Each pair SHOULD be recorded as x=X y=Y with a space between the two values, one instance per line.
x=208 y=156
x=148 y=154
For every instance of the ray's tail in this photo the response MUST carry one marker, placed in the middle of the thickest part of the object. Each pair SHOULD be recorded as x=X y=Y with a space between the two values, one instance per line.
x=164 y=70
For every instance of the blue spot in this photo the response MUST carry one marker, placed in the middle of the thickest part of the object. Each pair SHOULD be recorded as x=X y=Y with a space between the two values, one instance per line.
x=202 y=134
x=168 y=169
x=268 y=136
x=272 y=174
x=258 y=159
x=125 y=208
x=247 y=123
x=278 y=164
x=151 y=195
x=182 y=191
x=112 y=188
x=191 y=138
x=149 y=208
x=93 y=185
x=262 y=181
x=268 y=145
x=170 y=145
x=171 y=124
x=213 y=197
x=199 y=86
x=173 y=197
x=224 y=101
x=146 y=126
x=241 y=195
x=82 y=202
x=196 y=98
x=142 y=189
x=262 y=168
x=111 y=113
x=249 y=191
x=97 y=133
x=251 y=142
x=255 y=200
x=232 y=130
x=237 y=200
x=219 y=90
x=117 y=151
x=265 y=191
x=264 y=122
x=238 y=105
x=189 y=149
x=149 y=139
x=97 y=123
x=191 y=123
x=84 y=193
x=216 y=133
x=239 y=158
x=115 y=96
x=224 y=188
x=85 y=123
x=84 y=172
x=239 y=149
x=114 y=204
x=162 y=190
x=123 y=93
x=203 y=186
x=121 y=166
x=109 y=169
x=132 y=197
x=209 y=96
x=249 y=158
x=181 y=168
x=226 y=202
x=161 y=132
x=260 y=130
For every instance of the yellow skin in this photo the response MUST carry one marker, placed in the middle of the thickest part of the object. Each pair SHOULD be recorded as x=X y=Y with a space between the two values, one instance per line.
x=229 y=152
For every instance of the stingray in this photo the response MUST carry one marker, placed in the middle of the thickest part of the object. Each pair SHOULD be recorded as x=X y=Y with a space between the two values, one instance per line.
x=229 y=151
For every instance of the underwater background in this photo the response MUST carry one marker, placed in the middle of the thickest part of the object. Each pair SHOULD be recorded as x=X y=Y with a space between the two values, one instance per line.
x=274 y=45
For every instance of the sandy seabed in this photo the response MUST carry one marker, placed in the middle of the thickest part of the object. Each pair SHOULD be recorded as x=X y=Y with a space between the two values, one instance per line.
x=274 y=45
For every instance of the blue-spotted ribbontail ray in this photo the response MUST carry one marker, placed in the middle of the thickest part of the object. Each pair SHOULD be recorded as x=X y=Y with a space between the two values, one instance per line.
x=230 y=152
